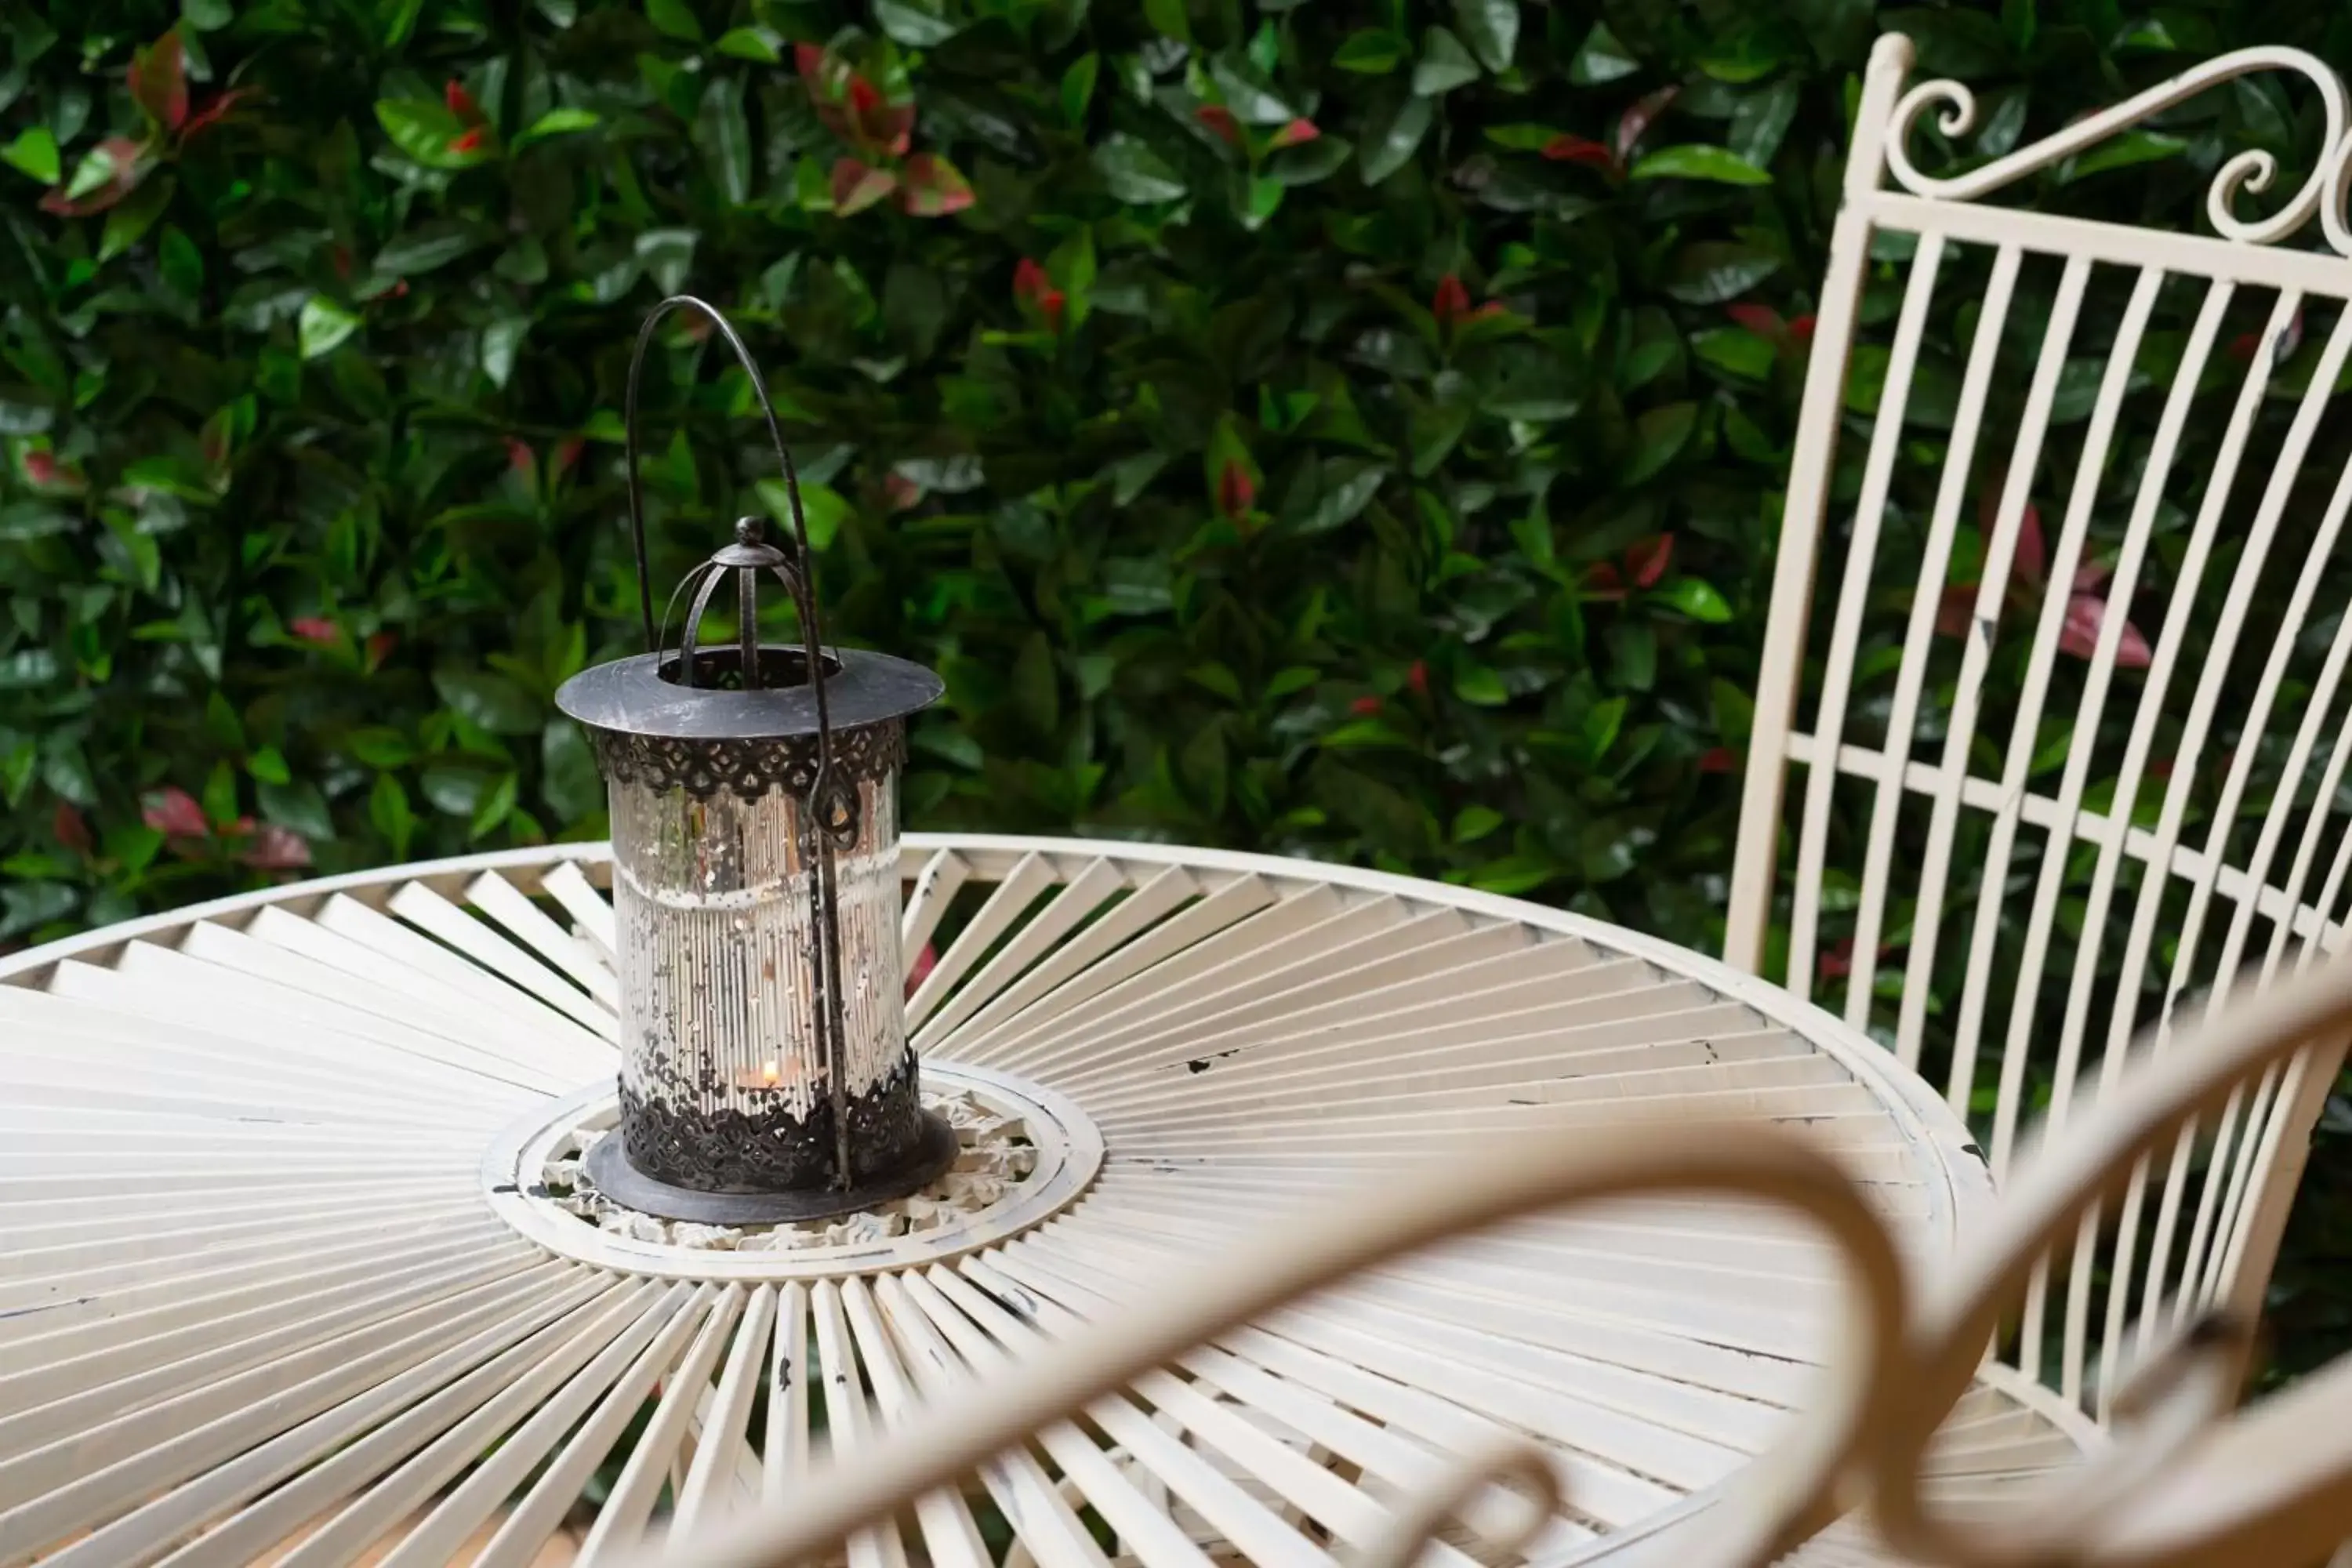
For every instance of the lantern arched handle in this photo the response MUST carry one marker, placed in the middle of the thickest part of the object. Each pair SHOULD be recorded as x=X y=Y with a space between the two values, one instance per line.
x=798 y=573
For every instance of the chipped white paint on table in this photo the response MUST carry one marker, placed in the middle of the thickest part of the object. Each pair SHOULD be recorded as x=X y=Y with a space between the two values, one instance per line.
x=292 y=1262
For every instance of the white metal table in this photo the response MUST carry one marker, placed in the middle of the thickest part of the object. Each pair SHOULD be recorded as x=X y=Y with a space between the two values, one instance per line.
x=295 y=1263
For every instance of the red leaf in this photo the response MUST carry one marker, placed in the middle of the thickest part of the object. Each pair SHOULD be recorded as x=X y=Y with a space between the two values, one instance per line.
x=378 y=648
x=934 y=187
x=1838 y=960
x=862 y=96
x=468 y=141
x=1221 y=123
x=1800 y=329
x=1566 y=149
x=70 y=829
x=316 y=630
x=1365 y=707
x=567 y=452
x=1035 y=291
x=1648 y=559
x=276 y=849
x=519 y=457
x=1236 y=489
x=2033 y=560
x=1718 y=760
x=132 y=163
x=856 y=187
x=1635 y=120
x=159 y=81
x=1761 y=319
x=901 y=492
x=809 y=59
x=891 y=129
x=41 y=468
x=461 y=103
x=211 y=113
x=925 y=962
x=1296 y=133
x=1416 y=676
x=1451 y=302
x=1601 y=582
x=1955 y=610
x=2087 y=615
x=173 y=812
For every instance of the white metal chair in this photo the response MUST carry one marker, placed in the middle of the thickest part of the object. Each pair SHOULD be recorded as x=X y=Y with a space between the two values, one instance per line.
x=2006 y=891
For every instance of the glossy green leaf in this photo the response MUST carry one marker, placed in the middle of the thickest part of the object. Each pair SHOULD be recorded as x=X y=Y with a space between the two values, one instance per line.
x=501 y=339
x=557 y=123
x=1491 y=29
x=1135 y=173
x=1392 y=135
x=1699 y=162
x=1078 y=88
x=1697 y=599
x=324 y=326
x=423 y=249
x=1711 y=272
x=723 y=134
x=34 y=152
x=1659 y=436
x=1601 y=58
x=917 y=26
x=1374 y=51
x=2123 y=151
x=764 y=44
x=1762 y=120
x=1736 y=351
x=430 y=134
x=1444 y=64
x=496 y=703
x=674 y=19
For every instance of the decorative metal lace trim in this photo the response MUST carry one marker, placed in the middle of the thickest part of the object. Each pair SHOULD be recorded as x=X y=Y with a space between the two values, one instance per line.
x=772 y=1150
x=870 y=753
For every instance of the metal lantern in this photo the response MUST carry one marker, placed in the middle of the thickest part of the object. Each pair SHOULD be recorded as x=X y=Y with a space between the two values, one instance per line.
x=766 y=1070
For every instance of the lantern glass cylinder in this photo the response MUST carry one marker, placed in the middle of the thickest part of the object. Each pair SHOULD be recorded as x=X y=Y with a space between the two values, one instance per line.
x=765 y=1071
x=724 y=1082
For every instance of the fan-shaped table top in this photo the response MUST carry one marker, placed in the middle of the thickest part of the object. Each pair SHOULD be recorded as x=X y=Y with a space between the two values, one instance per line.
x=295 y=1263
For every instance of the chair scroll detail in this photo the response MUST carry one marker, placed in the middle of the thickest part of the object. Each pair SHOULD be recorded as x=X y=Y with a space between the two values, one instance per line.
x=1781 y=1500
x=2249 y=172
x=2272 y=1484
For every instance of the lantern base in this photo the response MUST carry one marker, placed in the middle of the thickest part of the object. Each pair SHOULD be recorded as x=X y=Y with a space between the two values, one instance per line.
x=607 y=1166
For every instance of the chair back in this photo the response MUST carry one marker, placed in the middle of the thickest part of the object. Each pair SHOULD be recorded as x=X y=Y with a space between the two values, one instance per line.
x=2064 y=758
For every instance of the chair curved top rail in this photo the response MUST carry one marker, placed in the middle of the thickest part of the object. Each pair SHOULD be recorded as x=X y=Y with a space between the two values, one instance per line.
x=2249 y=173
x=2273 y=1485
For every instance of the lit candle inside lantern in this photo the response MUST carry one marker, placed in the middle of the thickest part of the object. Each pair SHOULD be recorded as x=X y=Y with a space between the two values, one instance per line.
x=770 y=1074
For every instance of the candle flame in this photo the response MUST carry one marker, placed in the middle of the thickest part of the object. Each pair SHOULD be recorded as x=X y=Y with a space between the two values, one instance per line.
x=772 y=1073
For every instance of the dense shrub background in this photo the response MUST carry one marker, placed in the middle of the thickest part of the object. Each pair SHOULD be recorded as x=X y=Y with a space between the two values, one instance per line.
x=1353 y=430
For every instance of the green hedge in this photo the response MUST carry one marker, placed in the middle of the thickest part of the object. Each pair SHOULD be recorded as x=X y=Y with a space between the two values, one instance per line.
x=1347 y=430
